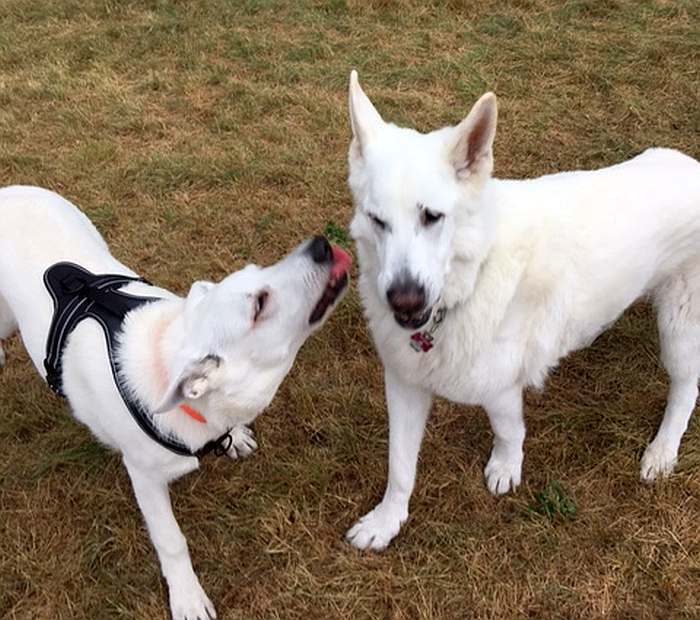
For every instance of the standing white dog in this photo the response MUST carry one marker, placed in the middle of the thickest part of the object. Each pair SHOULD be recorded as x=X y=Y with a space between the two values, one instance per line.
x=474 y=287
x=212 y=362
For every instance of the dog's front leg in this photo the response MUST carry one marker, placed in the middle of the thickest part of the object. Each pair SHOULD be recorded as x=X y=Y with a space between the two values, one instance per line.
x=505 y=411
x=243 y=442
x=188 y=600
x=408 y=407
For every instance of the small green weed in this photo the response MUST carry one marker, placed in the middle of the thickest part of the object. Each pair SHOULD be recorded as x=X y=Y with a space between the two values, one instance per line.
x=336 y=234
x=553 y=502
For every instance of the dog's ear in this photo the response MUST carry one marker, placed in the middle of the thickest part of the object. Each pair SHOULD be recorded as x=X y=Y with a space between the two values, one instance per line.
x=365 y=121
x=191 y=383
x=197 y=292
x=471 y=152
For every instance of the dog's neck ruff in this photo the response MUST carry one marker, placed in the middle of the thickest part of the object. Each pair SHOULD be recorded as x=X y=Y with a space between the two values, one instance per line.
x=78 y=294
x=423 y=340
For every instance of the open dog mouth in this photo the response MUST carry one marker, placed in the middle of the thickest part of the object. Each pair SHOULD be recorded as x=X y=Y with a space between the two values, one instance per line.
x=337 y=281
x=413 y=321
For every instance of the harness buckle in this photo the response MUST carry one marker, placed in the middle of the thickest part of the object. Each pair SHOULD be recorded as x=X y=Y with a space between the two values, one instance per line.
x=219 y=446
x=223 y=444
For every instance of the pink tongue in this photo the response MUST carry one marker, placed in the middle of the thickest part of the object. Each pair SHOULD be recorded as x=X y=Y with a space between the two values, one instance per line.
x=341 y=262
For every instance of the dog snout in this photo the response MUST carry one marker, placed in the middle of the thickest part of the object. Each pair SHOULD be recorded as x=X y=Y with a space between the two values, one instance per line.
x=406 y=297
x=320 y=250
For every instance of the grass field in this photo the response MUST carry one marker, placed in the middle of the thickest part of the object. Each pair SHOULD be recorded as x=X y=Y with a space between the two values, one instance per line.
x=199 y=136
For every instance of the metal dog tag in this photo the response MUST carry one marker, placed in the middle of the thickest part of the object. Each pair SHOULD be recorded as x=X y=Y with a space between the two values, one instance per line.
x=422 y=342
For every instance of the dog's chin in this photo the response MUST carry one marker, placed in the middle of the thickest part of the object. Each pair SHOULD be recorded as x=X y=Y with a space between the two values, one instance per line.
x=338 y=277
x=413 y=321
x=329 y=298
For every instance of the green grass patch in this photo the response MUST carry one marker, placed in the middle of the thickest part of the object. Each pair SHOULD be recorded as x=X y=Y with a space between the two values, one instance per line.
x=337 y=234
x=89 y=456
x=553 y=503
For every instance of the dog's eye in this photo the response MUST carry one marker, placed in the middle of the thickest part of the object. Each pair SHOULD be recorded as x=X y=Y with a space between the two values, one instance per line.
x=428 y=218
x=381 y=224
x=260 y=301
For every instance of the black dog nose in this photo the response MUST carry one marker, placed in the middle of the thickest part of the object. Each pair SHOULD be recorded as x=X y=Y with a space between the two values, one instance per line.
x=406 y=297
x=320 y=250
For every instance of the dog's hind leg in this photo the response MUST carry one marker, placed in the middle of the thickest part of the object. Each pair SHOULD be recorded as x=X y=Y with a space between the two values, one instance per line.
x=8 y=326
x=678 y=308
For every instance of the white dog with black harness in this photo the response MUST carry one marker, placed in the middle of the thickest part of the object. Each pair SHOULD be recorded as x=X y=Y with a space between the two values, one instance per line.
x=209 y=363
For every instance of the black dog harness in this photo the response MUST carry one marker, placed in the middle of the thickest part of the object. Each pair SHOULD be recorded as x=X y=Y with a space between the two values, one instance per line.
x=78 y=294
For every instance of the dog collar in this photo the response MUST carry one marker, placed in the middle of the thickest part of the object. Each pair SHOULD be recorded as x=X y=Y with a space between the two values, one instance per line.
x=422 y=341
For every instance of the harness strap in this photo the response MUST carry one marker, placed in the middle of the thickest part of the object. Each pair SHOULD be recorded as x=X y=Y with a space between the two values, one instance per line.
x=78 y=294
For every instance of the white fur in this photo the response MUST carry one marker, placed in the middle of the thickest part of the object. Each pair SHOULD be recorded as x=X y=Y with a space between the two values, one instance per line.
x=529 y=270
x=165 y=352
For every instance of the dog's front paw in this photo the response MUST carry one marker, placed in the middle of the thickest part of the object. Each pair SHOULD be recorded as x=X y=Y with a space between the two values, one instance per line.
x=243 y=442
x=658 y=461
x=502 y=475
x=2 y=356
x=377 y=528
x=191 y=603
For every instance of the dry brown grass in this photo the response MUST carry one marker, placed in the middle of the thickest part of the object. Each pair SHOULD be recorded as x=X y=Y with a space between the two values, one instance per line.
x=201 y=135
